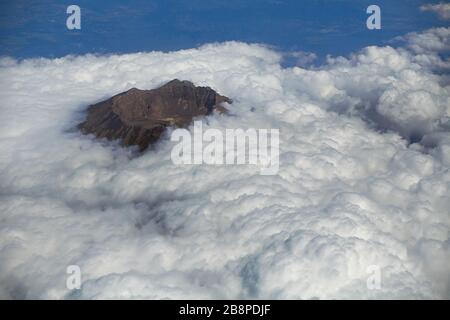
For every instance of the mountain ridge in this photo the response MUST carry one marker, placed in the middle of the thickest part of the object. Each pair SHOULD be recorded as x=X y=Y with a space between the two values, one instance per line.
x=139 y=117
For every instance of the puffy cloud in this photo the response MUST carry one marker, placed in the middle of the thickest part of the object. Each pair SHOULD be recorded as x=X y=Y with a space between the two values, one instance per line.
x=429 y=41
x=347 y=196
x=301 y=58
x=441 y=9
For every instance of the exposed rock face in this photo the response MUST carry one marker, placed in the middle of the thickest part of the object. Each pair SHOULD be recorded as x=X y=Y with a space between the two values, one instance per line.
x=139 y=117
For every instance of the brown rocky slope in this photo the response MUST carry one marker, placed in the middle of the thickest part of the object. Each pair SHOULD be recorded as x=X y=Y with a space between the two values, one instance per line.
x=139 y=117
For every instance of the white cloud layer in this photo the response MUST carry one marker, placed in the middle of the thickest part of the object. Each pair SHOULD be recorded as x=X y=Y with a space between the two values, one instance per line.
x=351 y=191
x=441 y=9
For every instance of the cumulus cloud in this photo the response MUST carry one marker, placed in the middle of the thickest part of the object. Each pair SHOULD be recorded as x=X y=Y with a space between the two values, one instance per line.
x=364 y=180
x=441 y=9
x=301 y=58
x=430 y=41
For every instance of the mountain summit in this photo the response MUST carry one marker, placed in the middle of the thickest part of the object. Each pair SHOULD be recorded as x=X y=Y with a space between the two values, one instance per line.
x=139 y=117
